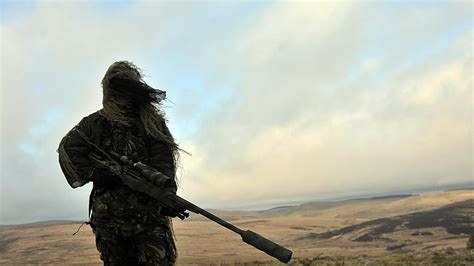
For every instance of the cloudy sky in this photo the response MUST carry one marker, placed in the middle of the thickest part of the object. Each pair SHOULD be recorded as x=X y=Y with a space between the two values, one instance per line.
x=276 y=101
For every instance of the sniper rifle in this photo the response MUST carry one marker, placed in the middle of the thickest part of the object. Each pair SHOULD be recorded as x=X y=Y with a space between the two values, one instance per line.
x=143 y=178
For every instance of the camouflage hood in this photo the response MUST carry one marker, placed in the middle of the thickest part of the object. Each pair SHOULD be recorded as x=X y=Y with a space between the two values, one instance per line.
x=127 y=97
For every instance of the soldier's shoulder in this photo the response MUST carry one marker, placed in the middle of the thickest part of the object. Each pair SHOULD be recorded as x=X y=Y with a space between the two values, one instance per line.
x=94 y=117
x=92 y=123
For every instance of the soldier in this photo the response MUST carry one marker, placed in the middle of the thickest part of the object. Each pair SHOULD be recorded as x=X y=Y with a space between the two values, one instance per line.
x=130 y=227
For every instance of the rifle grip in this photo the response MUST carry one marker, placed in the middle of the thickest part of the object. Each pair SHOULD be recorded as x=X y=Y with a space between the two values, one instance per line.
x=267 y=246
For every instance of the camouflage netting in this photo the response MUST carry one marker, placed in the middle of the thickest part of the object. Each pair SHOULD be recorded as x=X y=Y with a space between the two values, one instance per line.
x=126 y=96
x=130 y=123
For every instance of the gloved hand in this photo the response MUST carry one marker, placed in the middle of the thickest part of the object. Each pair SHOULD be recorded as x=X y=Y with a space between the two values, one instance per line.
x=181 y=213
x=105 y=179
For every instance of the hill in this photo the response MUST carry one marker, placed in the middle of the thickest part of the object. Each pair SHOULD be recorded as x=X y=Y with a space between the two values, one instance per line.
x=456 y=219
x=418 y=229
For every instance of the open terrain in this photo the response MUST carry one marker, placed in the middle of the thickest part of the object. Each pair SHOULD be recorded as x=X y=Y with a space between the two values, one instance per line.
x=431 y=228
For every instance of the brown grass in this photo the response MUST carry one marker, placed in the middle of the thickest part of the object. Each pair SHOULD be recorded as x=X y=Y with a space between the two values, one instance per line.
x=204 y=242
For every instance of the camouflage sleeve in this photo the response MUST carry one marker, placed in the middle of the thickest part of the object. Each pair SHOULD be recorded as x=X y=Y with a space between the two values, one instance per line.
x=161 y=157
x=73 y=152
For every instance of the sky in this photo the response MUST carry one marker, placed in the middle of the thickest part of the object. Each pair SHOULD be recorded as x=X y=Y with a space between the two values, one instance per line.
x=276 y=101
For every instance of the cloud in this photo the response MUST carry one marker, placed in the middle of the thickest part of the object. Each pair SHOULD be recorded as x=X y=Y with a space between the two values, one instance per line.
x=312 y=120
x=52 y=58
x=276 y=101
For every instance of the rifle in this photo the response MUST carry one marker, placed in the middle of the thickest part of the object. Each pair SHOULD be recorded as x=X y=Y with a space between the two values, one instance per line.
x=145 y=181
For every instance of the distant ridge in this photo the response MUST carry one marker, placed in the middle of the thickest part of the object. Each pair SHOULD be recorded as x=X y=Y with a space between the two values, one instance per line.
x=369 y=207
x=400 y=196
x=456 y=218
x=41 y=223
x=315 y=207
x=331 y=203
x=381 y=197
x=461 y=188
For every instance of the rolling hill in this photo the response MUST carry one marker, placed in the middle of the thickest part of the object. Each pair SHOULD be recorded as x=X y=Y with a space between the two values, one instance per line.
x=418 y=229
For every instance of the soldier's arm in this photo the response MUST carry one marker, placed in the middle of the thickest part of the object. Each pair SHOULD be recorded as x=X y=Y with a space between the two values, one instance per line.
x=73 y=156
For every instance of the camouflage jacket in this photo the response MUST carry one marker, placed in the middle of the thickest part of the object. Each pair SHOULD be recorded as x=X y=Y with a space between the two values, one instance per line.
x=116 y=208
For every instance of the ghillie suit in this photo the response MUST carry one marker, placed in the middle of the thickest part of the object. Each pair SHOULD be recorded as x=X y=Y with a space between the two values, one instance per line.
x=130 y=227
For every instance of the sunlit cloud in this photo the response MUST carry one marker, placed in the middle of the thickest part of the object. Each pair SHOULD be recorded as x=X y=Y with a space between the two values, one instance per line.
x=276 y=102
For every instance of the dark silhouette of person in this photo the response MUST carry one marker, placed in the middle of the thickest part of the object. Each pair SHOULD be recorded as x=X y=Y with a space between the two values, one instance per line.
x=130 y=227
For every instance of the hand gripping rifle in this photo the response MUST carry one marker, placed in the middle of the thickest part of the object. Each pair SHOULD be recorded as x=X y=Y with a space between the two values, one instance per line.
x=145 y=182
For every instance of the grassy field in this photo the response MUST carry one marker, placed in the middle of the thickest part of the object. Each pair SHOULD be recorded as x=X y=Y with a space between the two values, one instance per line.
x=204 y=242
